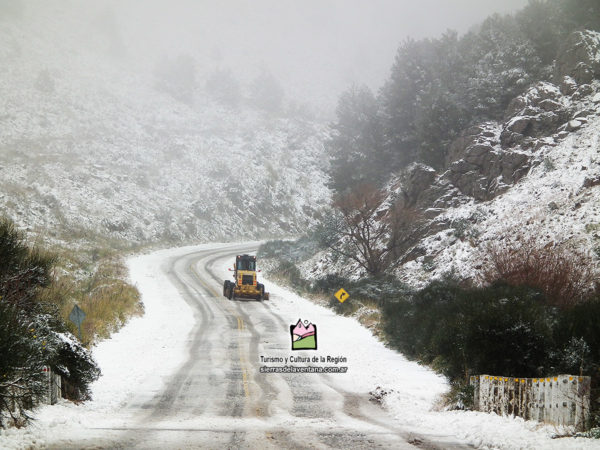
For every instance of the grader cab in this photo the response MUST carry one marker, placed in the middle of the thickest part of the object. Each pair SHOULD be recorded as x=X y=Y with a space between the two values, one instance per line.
x=245 y=284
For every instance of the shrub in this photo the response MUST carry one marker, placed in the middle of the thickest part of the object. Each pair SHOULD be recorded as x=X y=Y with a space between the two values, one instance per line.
x=577 y=347
x=564 y=275
x=107 y=300
x=463 y=331
x=32 y=334
x=21 y=364
x=498 y=329
x=24 y=270
x=460 y=396
x=76 y=366
x=577 y=335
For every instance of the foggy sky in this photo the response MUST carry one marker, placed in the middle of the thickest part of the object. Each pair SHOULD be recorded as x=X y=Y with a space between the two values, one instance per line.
x=315 y=47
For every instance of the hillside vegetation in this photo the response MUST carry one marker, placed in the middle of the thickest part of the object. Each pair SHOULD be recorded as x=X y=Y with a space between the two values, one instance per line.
x=100 y=142
x=439 y=87
x=33 y=335
x=106 y=150
x=466 y=197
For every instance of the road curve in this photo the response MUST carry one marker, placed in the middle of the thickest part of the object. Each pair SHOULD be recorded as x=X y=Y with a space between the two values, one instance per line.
x=219 y=399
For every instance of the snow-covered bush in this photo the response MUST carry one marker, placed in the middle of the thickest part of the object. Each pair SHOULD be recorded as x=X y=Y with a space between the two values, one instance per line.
x=32 y=334
x=76 y=366
x=21 y=363
x=498 y=329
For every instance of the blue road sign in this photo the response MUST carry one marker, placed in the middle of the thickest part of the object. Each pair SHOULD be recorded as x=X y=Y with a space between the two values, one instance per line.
x=77 y=315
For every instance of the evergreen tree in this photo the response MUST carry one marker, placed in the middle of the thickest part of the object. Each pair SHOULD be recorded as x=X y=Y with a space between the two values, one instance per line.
x=439 y=87
x=357 y=153
x=543 y=24
x=442 y=112
x=223 y=87
x=32 y=335
x=412 y=76
x=581 y=14
x=503 y=65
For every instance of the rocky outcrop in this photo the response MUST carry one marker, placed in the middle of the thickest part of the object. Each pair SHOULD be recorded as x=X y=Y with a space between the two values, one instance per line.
x=487 y=159
x=416 y=180
x=480 y=167
x=539 y=112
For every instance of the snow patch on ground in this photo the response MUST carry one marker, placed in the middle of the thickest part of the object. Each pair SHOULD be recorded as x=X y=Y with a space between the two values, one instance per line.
x=143 y=353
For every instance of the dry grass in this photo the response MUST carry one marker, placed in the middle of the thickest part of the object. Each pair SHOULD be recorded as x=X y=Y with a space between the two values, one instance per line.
x=103 y=294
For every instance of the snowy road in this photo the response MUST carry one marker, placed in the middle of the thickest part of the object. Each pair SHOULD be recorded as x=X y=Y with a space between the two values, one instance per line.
x=193 y=380
x=188 y=375
x=219 y=398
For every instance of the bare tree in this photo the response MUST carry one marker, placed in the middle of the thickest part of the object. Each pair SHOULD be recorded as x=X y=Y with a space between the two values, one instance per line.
x=370 y=230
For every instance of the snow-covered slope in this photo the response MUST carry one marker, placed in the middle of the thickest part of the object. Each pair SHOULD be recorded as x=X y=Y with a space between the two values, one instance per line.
x=558 y=202
x=91 y=144
x=535 y=175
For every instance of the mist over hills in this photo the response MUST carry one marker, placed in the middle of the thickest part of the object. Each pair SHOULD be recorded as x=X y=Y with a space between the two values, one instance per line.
x=91 y=144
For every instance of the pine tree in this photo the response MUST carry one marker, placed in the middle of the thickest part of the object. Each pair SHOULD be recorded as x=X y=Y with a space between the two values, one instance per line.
x=356 y=149
x=32 y=335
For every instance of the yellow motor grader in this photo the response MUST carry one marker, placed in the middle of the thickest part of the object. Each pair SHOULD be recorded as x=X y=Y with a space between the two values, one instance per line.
x=245 y=284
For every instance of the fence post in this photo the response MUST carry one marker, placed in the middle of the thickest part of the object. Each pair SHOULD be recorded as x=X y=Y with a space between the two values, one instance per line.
x=56 y=388
x=474 y=381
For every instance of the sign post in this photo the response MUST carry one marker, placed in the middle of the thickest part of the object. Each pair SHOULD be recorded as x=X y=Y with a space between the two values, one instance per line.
x=77 y=315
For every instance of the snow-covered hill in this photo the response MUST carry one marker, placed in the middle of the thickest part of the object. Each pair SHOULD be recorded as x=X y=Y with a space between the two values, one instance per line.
x=91 y=143
x=535 y=175
x=557 y=202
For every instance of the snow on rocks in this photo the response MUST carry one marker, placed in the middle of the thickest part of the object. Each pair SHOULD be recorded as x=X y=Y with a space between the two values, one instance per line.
x=574 y=125
x=556 y=179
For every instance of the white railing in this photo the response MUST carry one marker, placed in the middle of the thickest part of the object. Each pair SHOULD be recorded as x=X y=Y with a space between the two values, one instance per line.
x=559 y=400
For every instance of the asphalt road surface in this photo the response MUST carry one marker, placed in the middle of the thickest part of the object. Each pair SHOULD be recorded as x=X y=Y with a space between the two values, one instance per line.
x=218 y=398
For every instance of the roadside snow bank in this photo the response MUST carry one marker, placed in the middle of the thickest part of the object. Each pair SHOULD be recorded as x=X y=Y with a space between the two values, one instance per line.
x=136 y=359
x=411 y=389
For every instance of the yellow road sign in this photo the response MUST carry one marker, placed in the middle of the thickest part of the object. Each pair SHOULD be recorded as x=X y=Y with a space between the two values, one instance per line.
x=342 y=295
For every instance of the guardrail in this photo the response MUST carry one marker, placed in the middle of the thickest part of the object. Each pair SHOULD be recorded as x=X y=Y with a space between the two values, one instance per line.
x=558 y=400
